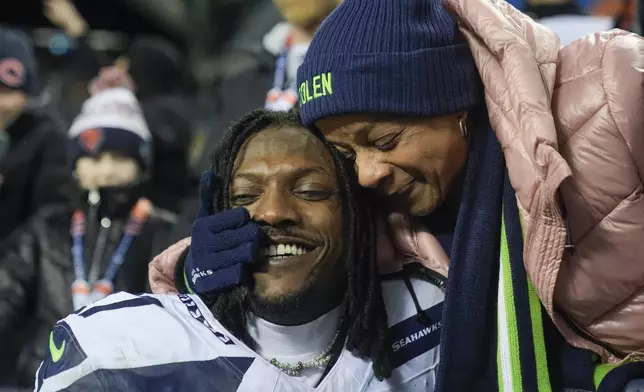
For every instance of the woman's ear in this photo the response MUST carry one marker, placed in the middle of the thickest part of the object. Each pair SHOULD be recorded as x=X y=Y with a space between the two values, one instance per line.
x=462 y=123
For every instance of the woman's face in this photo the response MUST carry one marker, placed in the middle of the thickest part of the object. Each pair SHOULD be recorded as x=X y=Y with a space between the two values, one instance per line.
x=412 y=162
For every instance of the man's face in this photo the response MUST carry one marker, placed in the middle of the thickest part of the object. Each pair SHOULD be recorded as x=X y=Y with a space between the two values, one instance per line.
x=286 y=179
x=12 y=104
x=306 y=13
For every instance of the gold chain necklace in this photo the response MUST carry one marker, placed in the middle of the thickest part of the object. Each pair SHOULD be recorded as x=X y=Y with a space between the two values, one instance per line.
x=321 y=360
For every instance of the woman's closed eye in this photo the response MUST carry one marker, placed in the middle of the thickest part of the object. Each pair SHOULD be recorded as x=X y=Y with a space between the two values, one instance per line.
x=388 y=142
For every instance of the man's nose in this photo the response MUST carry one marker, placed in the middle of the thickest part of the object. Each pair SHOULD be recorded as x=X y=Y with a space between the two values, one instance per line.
x=371 y=170
x=275 y=209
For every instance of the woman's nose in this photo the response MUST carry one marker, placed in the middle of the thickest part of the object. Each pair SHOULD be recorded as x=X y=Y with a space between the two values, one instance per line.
x=371 y=170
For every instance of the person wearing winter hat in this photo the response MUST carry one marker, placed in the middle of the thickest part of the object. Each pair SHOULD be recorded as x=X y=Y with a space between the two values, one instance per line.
x=109 y=143
x=74 y=256
x=465 y=123
x=271 y=82
x=288 y=42
x=33 y=169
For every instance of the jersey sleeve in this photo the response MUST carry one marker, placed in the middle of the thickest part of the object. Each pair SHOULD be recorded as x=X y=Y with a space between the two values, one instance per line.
x=143 y=343
x=63 y=366
x=90 y=339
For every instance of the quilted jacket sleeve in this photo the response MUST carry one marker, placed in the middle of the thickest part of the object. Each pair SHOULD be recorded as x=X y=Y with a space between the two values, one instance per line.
x=601 y=136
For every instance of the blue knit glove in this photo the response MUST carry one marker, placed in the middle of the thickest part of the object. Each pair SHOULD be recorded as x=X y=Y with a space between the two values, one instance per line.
x=223 y=245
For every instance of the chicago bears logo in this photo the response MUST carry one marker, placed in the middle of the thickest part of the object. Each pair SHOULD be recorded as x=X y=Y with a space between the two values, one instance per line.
x=12 y=72
x=91 y=140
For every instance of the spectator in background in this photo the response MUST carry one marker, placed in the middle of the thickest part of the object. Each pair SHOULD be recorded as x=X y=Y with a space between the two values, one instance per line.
x=63 y=14
x=44 y=270
x=166 y=88
x=288 y=42
x=170 y=120
x=158 y=68
x=82 y=63
x=159 y=73
x=33 y=167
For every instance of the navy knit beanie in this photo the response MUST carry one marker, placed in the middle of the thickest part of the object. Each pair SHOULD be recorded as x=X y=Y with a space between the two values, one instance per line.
x=18 y=65
x=402 y=57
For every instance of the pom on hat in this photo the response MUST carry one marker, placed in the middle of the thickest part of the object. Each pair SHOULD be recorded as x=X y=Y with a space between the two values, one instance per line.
x=112 y=121
x=402 y=57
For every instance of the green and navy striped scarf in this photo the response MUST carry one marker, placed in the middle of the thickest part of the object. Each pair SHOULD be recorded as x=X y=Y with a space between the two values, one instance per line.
x=493 y=336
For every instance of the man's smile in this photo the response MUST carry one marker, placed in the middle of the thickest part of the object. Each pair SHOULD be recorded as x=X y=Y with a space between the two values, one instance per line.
x=281 y=251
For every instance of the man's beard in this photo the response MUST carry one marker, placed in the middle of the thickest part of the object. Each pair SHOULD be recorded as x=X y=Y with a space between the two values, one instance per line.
x=318 y=298
x=314 y=300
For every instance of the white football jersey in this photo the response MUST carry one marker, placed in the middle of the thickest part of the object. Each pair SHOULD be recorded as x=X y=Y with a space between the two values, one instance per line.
x=161 y=343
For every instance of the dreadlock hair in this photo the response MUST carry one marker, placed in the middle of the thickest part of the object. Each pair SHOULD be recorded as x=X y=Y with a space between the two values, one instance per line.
x=365 y=316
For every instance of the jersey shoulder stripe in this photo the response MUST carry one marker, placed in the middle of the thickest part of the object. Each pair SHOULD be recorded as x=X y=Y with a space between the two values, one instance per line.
x=154 y=332
x=136 y=301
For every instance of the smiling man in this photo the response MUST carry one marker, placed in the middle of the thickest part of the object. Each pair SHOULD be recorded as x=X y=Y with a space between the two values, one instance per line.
x=315 y=310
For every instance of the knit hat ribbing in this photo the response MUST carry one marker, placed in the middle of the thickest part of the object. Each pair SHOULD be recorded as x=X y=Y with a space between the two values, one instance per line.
x=111 y=120
x=401 y=57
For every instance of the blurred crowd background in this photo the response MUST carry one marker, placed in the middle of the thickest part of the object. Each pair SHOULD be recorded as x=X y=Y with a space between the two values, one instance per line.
x=216 y=41
x=205 y=42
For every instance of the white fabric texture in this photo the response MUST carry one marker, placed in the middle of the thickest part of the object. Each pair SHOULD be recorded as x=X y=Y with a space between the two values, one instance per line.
x=111 y=108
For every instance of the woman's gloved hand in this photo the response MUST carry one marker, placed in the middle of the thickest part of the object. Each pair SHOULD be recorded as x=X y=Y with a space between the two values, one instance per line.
x=223 y=247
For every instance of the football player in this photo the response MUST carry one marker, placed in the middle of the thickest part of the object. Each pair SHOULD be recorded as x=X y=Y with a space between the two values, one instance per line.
x=316 y=310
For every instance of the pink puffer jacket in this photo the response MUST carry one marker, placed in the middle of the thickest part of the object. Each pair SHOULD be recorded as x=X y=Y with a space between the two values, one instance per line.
x=569 y=119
